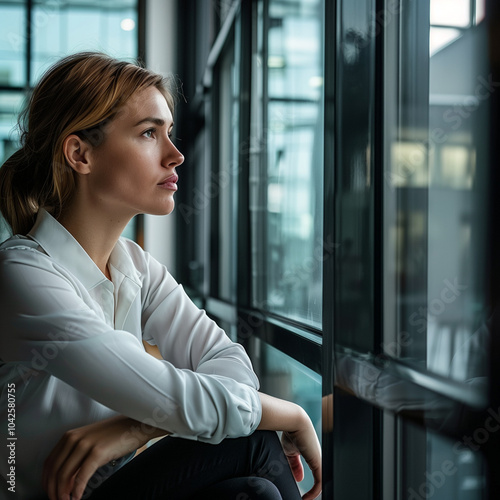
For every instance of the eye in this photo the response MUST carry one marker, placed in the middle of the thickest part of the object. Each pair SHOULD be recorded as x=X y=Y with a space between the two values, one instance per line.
x=149 y=133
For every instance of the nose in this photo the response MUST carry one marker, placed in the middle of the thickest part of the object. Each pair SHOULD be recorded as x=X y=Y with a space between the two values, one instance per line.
x=172 y=157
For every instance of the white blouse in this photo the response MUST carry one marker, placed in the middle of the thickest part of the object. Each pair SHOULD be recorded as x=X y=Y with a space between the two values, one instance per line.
x=71 y=352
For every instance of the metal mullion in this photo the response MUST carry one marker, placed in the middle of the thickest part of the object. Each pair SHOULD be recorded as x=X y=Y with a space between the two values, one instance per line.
x=244 y=243
x=6 y=88
x=213 y=123
x=141 y=31
x=141 y=57
x=258 y=161
x=328 y=297
x=29 y=19
x=263 y=170
x=492 y=261
x=217 y=48
x=378 y=241
x=305 y=349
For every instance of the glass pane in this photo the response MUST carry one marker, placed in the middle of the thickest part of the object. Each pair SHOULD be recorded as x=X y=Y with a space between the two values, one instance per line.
x=441 y=37
x=286 y=184
x=436 y=194
x=11 y=104
x=109 y=26
x=451 y=12
x=13 y=43
x=222 y=186
x=438 y=468
x=283 y=377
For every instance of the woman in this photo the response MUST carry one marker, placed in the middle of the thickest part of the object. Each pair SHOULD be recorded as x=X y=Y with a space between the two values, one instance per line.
x=80 y=392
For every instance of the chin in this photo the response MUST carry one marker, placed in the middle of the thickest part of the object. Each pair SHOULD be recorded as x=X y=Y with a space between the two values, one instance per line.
x=165 y=210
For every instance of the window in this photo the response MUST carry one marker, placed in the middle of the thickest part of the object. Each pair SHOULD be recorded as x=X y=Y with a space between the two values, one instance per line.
x=287 y=157
x=354 y=251
x=451 y=19
x=436 y=192
x=284 y=377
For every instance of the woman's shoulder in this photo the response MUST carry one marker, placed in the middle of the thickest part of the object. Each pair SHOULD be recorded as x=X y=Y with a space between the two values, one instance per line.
x=142 y=260
x=21 y=258
x=21 y=246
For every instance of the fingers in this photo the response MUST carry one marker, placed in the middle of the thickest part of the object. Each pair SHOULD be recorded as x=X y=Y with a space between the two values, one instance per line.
x=52 y=469
x=87 y=470
x=313 y=492
x=69 y=467
x=316 y=489
x=297 y=467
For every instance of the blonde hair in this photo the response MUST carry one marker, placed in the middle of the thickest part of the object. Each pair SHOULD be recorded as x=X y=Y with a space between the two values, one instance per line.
x=79 y=94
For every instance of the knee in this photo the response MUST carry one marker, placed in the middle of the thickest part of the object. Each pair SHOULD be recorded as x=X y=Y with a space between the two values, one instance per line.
x=265 y=439
x=257 y=488
x=266 y=446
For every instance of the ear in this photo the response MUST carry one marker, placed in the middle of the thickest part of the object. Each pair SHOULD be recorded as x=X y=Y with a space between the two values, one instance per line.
x=77 y=154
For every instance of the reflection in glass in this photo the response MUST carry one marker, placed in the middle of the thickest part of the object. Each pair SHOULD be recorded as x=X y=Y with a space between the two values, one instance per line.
x=283 y=377
x=354 y=177
x=287 y=184
x=436 y=198
x=438 y=468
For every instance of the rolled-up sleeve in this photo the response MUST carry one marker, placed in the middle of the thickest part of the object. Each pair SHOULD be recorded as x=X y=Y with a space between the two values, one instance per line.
x=204 y=388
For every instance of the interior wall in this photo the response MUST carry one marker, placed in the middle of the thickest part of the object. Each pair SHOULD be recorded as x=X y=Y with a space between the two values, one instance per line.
x=159 y=231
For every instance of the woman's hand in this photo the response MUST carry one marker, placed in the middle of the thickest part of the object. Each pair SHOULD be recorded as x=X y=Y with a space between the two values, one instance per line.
x=304 y=442
x=81 y=451
x=299 y=438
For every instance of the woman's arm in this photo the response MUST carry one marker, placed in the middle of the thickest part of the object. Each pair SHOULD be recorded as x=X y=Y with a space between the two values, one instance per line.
x=44 y=310
x=299 y=437
x=82 y=451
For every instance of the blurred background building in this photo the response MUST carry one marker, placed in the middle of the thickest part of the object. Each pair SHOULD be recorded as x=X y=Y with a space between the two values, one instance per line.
x=336 y=211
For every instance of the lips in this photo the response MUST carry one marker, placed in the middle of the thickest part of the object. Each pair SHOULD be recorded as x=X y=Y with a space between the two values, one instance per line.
x=170 y=182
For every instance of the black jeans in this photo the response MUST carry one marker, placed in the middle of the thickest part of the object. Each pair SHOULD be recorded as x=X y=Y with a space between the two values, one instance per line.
x=247 y=468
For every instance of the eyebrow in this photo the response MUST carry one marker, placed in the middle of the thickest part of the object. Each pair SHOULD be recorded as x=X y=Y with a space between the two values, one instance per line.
x=151 y=119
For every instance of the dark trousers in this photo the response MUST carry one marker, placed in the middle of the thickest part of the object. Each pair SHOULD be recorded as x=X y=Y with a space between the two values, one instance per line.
x=247 y=468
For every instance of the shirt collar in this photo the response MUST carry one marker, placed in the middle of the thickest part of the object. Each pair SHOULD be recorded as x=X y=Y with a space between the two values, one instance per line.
x=60 y=244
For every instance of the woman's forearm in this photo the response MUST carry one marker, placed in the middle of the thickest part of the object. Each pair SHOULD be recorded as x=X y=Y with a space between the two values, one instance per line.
x=280 y=415
x=299 y=437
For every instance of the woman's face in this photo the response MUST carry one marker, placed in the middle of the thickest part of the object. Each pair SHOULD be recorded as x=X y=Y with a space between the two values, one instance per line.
x=133 y=170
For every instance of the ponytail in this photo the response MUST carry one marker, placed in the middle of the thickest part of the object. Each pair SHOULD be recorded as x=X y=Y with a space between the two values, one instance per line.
x=17 y=203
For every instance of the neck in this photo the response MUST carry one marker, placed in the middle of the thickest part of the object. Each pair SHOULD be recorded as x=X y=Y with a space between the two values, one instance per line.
x=96 y=231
